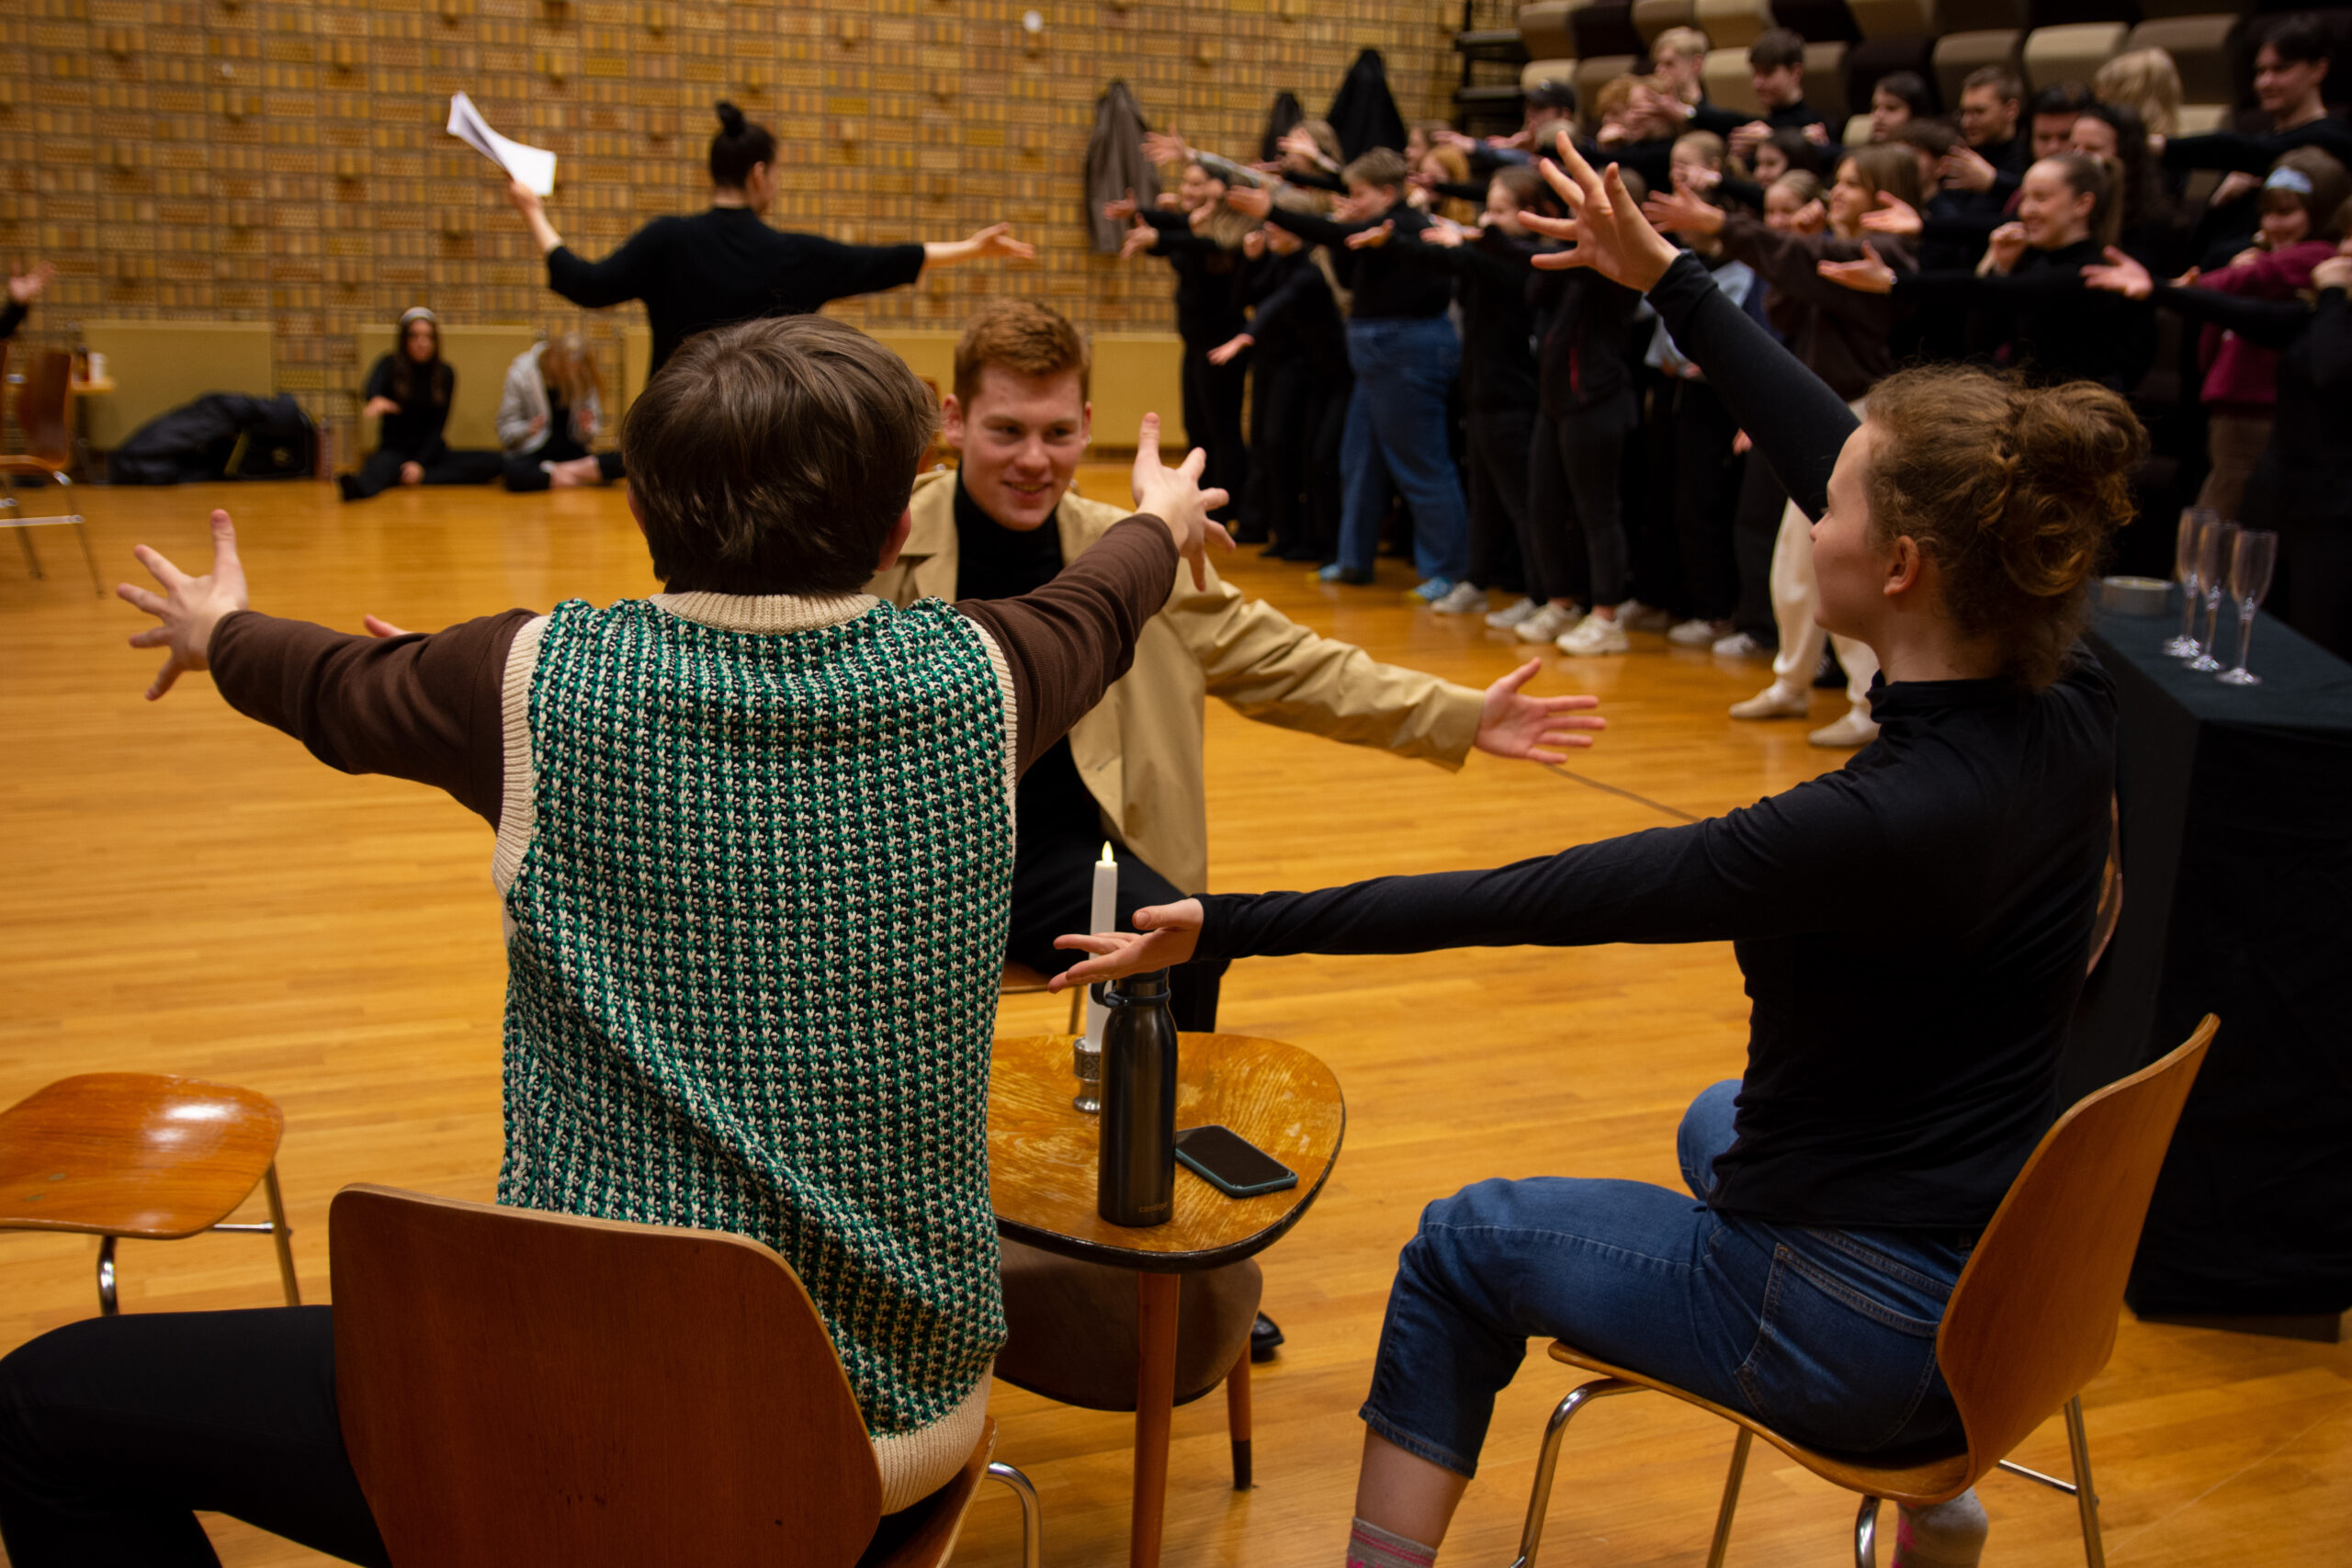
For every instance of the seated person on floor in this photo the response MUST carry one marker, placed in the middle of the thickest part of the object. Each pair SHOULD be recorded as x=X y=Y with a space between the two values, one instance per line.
x=1913 y=928
x=550 y=416
x=854 y=764
x=408 y=389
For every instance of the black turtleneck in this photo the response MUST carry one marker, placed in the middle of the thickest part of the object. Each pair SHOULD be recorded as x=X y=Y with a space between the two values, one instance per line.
x=1913 y=926
x=2044 y=320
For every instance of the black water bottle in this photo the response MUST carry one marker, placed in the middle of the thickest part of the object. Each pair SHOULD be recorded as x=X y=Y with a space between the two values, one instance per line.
x=1135 y=1181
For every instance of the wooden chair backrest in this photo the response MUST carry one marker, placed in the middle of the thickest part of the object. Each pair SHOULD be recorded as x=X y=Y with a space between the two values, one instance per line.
x=526 y=1388
x=2032 y=1318
x=40 y=407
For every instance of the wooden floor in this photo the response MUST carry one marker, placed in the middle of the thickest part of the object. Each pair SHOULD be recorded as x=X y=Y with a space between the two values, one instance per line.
x=181 y=891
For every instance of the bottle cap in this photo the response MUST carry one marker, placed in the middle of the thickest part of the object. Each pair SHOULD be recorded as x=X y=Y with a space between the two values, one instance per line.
x=1150 y=985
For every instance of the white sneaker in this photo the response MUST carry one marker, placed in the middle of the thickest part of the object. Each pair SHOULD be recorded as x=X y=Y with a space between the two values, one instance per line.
x=1509 y=615
x=1634 y=615
x=1857 y=728
x=1774 y=701
x=1739 y=645
x=1462 y=599
x=1697 y=633
x=1594 y=635
x=1548 y=622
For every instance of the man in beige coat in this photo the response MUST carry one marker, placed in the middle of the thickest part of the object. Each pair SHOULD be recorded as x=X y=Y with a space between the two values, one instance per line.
x=1130 y=770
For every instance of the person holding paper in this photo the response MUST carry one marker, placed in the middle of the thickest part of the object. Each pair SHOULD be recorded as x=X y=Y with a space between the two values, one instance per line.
x=726 y=265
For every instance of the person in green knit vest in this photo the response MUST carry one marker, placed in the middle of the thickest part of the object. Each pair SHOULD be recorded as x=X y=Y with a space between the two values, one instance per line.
x=754 y=840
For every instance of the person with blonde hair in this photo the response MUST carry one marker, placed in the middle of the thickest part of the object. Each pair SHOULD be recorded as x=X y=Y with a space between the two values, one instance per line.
x=550 y=416
x=2146 y=82
x=1949 y=877
x=1678 y=56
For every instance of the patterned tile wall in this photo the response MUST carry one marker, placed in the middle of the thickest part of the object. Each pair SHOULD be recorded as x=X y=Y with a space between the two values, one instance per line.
x=243 y=159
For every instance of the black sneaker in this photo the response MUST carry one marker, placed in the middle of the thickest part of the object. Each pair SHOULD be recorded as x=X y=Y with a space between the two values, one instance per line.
x=1263 y=1337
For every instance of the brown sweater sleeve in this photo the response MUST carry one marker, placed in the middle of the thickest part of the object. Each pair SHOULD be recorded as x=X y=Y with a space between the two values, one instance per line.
x=422 y=706
x=1068 y=642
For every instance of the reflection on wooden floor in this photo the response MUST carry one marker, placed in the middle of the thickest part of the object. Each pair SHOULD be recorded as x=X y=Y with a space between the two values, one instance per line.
x=183 y=892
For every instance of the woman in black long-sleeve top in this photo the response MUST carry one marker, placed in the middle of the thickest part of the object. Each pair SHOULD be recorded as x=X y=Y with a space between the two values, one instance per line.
x=2301 y=485
x=725 y=264
x=408 y=391
x=1298 y=347
x=1947 y=876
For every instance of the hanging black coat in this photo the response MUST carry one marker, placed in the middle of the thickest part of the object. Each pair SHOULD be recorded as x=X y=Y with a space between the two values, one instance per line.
x=1363 y=113
x=1280 y=119
x=1115 y=165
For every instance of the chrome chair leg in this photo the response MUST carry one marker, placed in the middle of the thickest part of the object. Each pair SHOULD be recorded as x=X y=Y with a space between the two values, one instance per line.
x=1547 y=1459
x=2085 y=1496
x=1033 y=1523
x=1730 y=1498
x=1866 y=1534
x=282 y=1235
x=105 y=1277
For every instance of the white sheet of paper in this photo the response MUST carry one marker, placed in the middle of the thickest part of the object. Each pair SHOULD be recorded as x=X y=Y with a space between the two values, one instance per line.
x=534 y=166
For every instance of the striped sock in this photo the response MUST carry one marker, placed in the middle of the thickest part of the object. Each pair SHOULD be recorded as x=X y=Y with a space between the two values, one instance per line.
x=1369 y=1546
x=1948 y=1535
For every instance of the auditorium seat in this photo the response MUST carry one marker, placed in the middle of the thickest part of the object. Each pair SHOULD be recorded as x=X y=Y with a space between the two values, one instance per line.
x=2070 y=13
x=1858 y=130
x=1733 y=25
x=2199 y=47
x=2150 y=10
x=2202 y=119
x=1978 y=33
x=1605 y=27
x=1728 y=82
x=1592 y=72
x=1537 y=71
x=1816 y=21
x=1896 y=35
x=1652 y=17
x=1825 y=80
x=2071 y=52
x=1543 y=29
x=1894 y=18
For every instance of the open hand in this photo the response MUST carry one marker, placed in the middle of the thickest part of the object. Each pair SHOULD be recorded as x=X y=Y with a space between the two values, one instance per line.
x=1744 y=137
x=1681 y=212
x=189 y=607
x=2122 y=274
x=1119 y=212
x=1165 y=147
x=1225 y=352
x=2005 y=246
x=1610 y=235
x=26 y=286
x=1165 y=934
x=376 y=408
x=1253 y=201
x=1964 y=168
x=997 y=240
x=1253 y=244
x=1867 y=274
x=1445 y=233
x=1512 y=724
x=1374 y=238
x=1140 y=237
x=1817 y=133
x=1175 y=497
x=2336 y=271
x=1893 y=215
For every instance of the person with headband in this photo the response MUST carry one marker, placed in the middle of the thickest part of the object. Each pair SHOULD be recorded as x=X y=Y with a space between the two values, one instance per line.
x=725 y=264
x=409 y=390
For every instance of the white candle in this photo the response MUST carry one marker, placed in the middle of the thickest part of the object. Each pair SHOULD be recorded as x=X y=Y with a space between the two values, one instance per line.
x=1104 y=916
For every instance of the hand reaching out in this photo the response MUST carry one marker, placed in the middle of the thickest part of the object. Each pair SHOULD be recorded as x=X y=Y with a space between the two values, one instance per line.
x=1121 y=210
x=1140 y=237
x=1744 y=137
x=2336 y=271
x=997 y=240
x=1817 y=133
x=1867 y=274
x=2122 y=274
x=1374 y=238
x=1252 y=201
x=1512 y=724
x=26 y=286
x=1168 y=934
x=379 y=627
x=1610 y=235
x=1964 y=168
x=1681 y=212
x=1894 y=216
x=1445 y=233
x=1175 y=497
x=189 y=607
x=1741 y=442
x=1253 y=244
x=2006 y=247
x=376 y=408
x=1165 y=147
x=1225 y=351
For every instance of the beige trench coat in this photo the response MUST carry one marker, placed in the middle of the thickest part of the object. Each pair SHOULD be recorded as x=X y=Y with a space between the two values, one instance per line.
x=1140 y=748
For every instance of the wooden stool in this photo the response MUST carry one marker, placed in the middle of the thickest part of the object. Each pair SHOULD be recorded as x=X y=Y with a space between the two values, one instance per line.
x=1020 y=980
x=113 y=1155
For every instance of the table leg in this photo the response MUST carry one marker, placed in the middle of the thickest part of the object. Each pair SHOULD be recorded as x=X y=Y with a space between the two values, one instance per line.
x=1237 y=1418
x=1156 y=1298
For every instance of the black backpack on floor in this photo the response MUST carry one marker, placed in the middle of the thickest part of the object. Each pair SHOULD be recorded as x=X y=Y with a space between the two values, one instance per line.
x=221 y=435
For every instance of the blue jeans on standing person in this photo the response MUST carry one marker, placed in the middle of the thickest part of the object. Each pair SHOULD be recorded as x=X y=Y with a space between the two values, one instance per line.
x=1405 y=366
x=1826 y=1335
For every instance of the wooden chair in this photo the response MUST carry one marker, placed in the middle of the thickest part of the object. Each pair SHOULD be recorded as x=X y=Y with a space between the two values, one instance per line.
x=41 y=404
x=521 y=1388
x=2030 y=1320
x=114 y=1155
x=1020 y=980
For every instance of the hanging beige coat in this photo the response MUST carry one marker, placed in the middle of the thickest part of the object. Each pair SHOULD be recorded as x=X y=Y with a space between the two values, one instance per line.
x=1140 y=748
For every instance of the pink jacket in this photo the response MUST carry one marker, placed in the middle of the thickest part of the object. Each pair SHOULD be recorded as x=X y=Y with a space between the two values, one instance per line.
x=2241 y=378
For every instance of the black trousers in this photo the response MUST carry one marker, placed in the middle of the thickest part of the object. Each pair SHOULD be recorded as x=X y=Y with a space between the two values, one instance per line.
x=524 y=473
x=443 y=465
x=1755 y=528
x=1053 y=895
x=116 y=1431
x=1694 y=486
x=1298 y=414
x=1576 y=536
x=1212 y=398
x=1497 y=441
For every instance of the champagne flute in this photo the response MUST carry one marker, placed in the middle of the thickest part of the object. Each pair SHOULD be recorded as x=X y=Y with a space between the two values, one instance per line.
x=2194 y=521
x=2213 y=564
x=2250 y=566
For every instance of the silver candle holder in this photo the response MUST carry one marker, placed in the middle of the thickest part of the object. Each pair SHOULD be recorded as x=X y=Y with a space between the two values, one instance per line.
x=1086 y=1063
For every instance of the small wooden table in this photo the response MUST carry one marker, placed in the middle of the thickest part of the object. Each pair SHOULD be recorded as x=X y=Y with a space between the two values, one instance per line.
x=1043 y=1155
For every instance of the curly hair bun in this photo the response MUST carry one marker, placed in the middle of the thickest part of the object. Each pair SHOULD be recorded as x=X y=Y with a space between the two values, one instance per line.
x=2014 y=491
x=730 y=119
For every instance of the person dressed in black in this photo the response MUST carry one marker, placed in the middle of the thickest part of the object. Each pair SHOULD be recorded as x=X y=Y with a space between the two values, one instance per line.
x=1200 y=240
x=24 y=288
x=725 y=264
x=1948 y=874
x=409 y=390
x=2301 y=484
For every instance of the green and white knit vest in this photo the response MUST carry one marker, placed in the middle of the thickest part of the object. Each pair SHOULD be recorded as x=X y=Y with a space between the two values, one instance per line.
x=757 y=928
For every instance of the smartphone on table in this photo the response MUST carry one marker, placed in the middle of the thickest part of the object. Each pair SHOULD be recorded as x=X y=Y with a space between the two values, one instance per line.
x=1231 y=1163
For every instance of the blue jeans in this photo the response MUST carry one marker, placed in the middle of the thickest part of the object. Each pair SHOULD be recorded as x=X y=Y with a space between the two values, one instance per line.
x=1829 y=1337
x=1396 y=432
